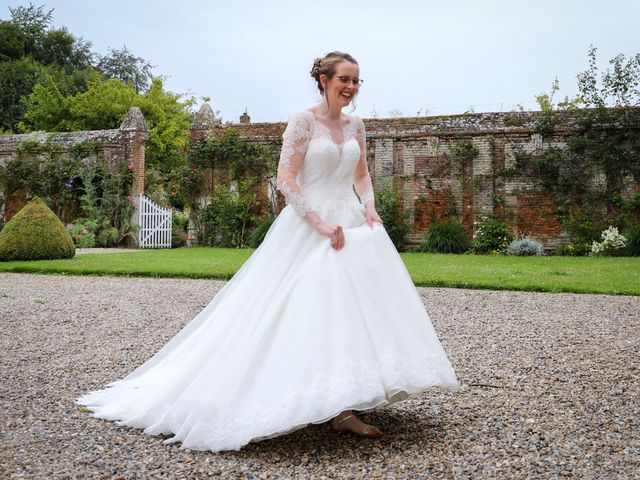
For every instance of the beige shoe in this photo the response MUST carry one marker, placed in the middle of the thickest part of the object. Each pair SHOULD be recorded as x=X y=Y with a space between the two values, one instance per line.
x=368 y=430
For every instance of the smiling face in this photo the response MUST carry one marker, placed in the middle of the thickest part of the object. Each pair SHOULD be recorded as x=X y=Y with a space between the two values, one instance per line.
x=340 y=90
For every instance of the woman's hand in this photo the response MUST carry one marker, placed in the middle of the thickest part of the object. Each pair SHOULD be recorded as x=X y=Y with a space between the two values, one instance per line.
x=372 y=216
x=334 y=232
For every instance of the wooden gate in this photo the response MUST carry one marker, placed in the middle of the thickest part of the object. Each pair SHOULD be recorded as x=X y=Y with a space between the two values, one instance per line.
x=154 y=225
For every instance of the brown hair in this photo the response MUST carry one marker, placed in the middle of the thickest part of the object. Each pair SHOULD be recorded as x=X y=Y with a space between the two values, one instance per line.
x=327 y=66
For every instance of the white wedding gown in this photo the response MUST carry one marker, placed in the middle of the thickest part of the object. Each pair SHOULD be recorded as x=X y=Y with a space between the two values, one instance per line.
x=302 y=331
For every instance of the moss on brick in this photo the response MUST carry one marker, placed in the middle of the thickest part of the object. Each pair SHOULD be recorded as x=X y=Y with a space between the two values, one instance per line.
x=35 y=233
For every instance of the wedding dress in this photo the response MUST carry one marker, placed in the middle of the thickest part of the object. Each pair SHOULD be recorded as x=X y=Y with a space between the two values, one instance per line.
x=302 y=332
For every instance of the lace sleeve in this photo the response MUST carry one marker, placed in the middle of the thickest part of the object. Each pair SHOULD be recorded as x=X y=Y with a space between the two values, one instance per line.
x=294 y=147
x=361 y=178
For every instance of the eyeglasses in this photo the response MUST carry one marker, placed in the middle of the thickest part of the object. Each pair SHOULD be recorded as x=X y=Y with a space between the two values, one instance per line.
x=344 y=79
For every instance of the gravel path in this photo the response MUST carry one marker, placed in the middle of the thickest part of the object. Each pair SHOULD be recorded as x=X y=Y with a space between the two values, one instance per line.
x=549 y=389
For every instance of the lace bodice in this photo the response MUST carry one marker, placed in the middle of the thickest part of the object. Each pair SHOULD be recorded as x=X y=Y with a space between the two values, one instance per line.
x=315 y=171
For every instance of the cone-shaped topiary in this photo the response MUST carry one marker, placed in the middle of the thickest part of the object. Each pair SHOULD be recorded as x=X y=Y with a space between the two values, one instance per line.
x=35 y=233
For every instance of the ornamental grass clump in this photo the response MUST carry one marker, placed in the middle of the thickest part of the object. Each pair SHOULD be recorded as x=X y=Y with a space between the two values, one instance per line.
x=633 y=241
x=35 y=233
x=612 y=243
x=446 y=237
x=525 y=246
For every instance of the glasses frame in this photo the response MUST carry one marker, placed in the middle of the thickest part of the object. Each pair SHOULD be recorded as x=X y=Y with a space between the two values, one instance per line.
x=346 y=79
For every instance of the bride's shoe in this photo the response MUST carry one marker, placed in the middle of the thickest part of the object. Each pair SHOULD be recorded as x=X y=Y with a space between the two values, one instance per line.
x=368 y=431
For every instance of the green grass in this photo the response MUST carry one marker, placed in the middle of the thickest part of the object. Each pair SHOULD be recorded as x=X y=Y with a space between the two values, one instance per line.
x=609 y=275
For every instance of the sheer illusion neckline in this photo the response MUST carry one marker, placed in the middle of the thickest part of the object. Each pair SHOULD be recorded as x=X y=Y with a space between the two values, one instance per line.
x=328 y=130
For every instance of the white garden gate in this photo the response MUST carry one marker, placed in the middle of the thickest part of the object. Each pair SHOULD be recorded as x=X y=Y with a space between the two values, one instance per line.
x=154 y=224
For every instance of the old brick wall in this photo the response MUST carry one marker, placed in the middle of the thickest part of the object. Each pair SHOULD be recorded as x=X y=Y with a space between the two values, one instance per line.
x=117 y=147
x=414 y=156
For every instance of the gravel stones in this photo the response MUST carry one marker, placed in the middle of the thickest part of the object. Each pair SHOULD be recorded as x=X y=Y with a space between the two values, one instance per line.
x=549 y=389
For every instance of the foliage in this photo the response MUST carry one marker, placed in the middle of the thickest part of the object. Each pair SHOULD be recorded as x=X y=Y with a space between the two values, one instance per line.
x=35 y=233
x=388 y=204
x=260 y=232
x=605 y=146
x=573 y=249
x=491 y=236
x=612 y=242
x=447 y=237
x=525 y=246
x=30 y=51
x=227 y=217
x=461 y=153
x=105 y=205
x=633 y=240
x=104 y=105
x=126 y=67
x=179 y=227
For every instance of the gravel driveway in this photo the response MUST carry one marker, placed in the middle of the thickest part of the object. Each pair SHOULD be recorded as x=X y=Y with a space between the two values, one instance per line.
x=549 y=389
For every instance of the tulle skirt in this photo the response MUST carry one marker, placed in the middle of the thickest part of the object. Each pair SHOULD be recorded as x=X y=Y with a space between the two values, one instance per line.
x=299 y=334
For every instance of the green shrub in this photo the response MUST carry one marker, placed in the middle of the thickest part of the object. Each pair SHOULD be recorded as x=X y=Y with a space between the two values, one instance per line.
x=525 y=247
x=492 y=236
x=446 y=237
x=227 y=218
x=35 y=233
x=258 y=234
x=633 y=241
x=572 y=249
x=179 y=226
x=389 y=207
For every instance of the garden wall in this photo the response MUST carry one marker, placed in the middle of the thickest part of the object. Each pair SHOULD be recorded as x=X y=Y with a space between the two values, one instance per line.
x=461 y=166
x=117 y=147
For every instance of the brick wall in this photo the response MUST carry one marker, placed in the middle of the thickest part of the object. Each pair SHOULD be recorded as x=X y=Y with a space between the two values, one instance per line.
x=413 y=155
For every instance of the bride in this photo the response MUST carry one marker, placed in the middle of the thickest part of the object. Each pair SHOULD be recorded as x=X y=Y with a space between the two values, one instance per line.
x=323 y=320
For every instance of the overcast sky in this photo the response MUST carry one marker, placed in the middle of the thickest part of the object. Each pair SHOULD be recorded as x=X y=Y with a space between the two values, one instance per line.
x=415 y=56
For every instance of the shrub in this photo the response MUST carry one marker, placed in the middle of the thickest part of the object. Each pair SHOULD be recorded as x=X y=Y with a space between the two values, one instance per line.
x=492 y=236
x=446 y=237
x=227 y=218
x=389 y=207
x=633 y=241
x=35 y=233
x=258 y=234
x=612 y=243
x=525 y=247
x=179 y=226
x=573 y=249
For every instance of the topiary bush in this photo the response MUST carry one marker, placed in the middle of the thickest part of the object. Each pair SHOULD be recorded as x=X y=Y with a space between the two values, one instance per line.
x=446 y=237
x=35 y=233
x=492 y=236
x=525 y=247
x=633 y=241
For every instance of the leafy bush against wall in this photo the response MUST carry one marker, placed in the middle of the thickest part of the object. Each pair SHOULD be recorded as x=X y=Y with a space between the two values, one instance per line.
x=491 y=236
x=226 y=220
x=389 y=206
x=447 y=237
x=35 y=233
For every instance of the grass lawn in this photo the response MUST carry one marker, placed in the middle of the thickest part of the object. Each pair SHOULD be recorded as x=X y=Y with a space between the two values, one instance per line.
x=610 y=275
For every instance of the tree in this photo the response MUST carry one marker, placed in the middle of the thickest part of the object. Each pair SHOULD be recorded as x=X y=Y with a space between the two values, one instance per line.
x=126 y=67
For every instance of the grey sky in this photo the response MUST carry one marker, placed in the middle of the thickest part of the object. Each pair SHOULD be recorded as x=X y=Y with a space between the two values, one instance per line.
x=414 y=55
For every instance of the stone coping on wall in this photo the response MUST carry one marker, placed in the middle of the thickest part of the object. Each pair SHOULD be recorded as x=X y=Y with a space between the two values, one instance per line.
x=471 y=124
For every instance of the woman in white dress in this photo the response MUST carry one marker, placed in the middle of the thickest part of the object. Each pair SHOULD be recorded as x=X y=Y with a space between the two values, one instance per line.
x=323 y=320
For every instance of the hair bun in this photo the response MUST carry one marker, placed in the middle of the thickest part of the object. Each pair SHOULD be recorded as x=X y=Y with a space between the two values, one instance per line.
x=315 y=70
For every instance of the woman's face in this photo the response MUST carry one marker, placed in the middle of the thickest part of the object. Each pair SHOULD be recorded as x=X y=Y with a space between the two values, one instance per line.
x=340 y=90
